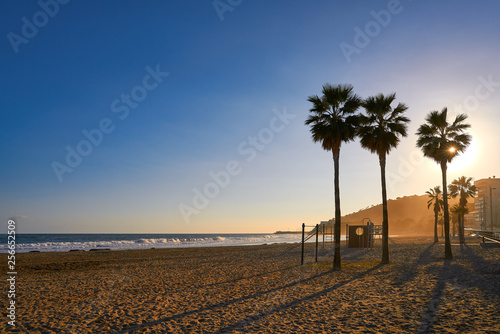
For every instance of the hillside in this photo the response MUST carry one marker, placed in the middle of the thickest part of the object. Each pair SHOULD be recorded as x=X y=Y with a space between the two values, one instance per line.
x=407 y=216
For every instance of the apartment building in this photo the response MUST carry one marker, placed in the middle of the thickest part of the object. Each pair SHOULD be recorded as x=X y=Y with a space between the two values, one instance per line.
x=487 y=204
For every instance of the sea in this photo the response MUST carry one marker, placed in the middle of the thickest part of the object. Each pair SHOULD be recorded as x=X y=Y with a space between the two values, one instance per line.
x=68 y=242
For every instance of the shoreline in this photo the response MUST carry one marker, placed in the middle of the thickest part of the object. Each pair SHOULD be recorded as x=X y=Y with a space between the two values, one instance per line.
x=96 y=250
x=260 y=289
x=88 y=242
x=20 y=249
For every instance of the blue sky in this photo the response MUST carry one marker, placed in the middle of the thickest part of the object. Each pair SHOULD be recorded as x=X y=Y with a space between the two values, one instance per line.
x=228 y=80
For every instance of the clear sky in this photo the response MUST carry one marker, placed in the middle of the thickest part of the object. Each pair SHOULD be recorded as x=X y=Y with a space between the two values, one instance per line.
x=188 y=116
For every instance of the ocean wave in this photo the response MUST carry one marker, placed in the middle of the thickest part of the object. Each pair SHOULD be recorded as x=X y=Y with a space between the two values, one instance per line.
x=150 y=242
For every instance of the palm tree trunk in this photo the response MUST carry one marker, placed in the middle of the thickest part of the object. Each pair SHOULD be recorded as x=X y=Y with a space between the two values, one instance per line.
x=461 y=227
x=447 y=244
x=459 y=223
x=461 y=231
x=336 y=256
x=436 y=214
x=385 y=216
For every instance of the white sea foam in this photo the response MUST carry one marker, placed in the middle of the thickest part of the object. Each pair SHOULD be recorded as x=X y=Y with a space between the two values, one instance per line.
x=151 y=242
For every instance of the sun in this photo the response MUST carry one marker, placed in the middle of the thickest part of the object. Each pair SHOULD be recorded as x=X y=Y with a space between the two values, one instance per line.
x=464 y=159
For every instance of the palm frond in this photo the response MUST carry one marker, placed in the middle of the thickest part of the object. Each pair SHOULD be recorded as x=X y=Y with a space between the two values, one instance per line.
x=332 y=119
x=436 y=137
x=381 y=128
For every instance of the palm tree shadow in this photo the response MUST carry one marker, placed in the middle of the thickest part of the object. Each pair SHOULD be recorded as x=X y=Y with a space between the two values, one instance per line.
x=242 y=278
x=431 y=312
x=294 y=303
x=222 y=304
x=253 y=318
x=484 y=279
x=484 y=268
x=289 y=251
x=424 y=258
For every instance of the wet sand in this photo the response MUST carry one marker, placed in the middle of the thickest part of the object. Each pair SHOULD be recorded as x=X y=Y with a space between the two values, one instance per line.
x=260 y=289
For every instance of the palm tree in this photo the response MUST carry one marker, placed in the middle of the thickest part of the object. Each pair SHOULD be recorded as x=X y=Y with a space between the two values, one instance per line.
x=464 y=188
x=442 y=141
x=380 y=131
x=441 y=222
x=436 y=202
x=459 y=211
x=455 y=210
x=333 y=121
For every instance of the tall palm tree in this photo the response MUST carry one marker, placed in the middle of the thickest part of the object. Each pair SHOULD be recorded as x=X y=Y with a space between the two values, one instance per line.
x=442 y=141
x=465 y=188
x=435 y=200
x=380 y=131
x=333 y=121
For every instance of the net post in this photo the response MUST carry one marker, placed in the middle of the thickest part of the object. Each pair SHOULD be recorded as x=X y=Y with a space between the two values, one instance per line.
x=317 y=235
x=302 y=257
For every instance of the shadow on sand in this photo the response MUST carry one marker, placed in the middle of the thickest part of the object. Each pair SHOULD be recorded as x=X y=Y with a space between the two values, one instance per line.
x=430 y=260
x=453 y=273
x=250 y=319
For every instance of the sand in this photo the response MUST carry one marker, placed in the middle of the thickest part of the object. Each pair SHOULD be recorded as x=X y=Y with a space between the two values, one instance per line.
x=260 y=289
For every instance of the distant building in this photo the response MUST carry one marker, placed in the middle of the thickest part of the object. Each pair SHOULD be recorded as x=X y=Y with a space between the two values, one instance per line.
x=327 y=225
x=487 y=204
x=470 y=218
x=470 y=221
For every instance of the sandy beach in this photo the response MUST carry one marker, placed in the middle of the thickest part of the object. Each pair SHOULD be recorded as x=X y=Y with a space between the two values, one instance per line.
x=260 y=289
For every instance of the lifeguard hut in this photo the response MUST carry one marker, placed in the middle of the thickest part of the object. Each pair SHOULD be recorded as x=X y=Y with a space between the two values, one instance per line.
x=362 y=236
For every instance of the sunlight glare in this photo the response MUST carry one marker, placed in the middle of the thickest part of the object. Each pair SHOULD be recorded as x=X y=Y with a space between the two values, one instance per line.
x=465 y=159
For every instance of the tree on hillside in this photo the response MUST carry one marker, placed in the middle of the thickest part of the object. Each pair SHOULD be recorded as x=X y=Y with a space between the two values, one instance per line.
x=436 y=201
x=442 y=141
x=333 y=121
x=380 y=131
x=463 y=187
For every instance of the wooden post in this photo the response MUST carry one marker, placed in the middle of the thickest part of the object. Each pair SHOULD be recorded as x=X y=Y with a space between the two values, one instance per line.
x=303 y=229
x=317 y=234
